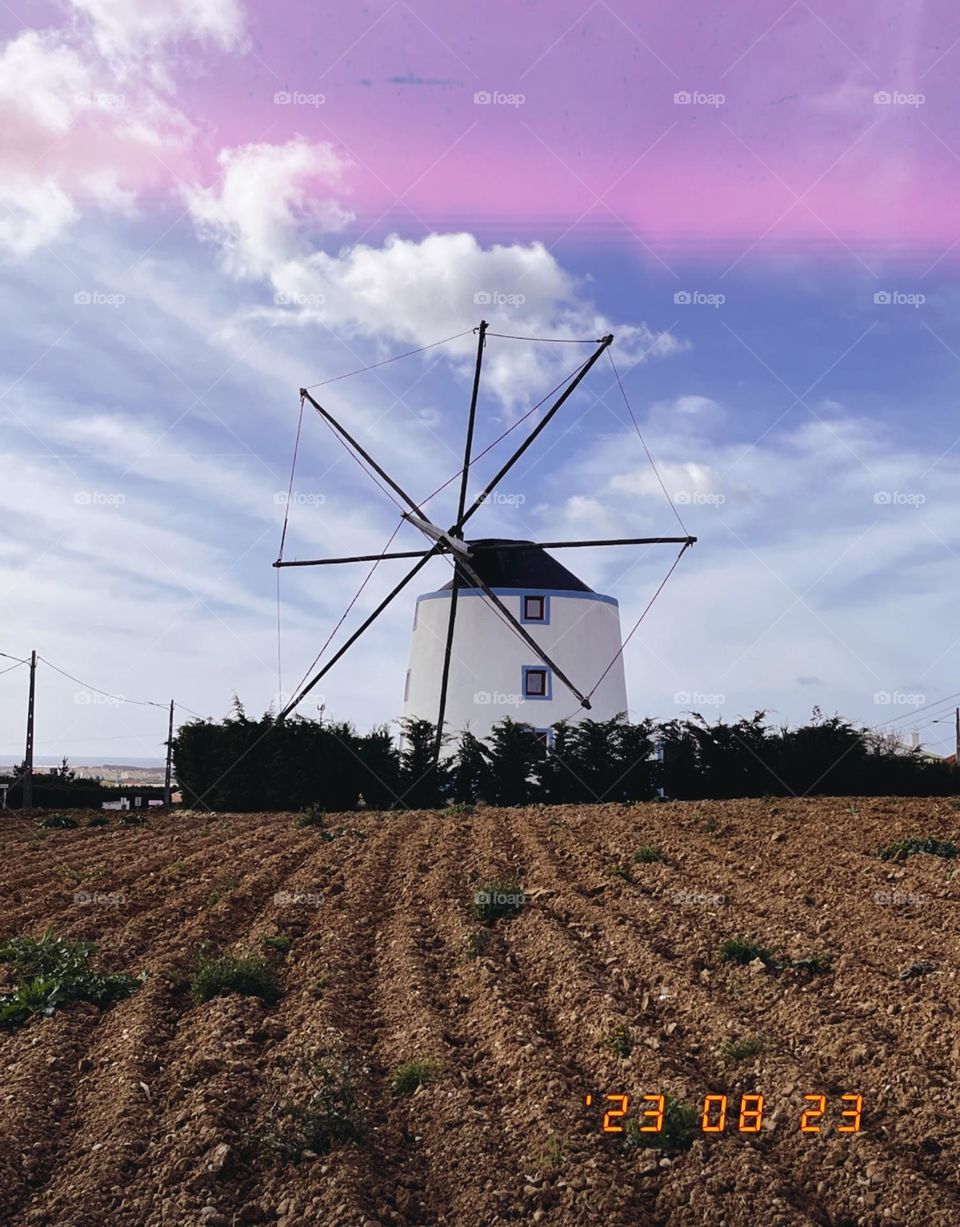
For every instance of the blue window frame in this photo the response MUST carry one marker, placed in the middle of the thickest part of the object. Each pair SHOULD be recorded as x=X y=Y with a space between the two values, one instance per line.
x=537 y=682
x=535 y=608
x=546 y=735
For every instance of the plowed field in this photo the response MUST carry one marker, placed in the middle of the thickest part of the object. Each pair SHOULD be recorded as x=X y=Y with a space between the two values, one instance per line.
x=154 y=1111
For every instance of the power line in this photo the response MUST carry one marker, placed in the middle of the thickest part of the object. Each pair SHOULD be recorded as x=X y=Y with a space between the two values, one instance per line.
x=119 y=697
x=927 y=707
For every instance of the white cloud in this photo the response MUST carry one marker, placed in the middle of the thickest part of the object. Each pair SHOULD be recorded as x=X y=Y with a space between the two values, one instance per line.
x=265 y=196
x=43 y=79
x=103 y=186
x=691 y=405
x=122 y=27
x=407 y=291
x=417 y=291
x=105 y=78
x=33 y=212
x=689 y=478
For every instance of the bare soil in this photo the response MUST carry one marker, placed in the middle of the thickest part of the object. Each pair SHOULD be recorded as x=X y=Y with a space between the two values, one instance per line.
x=152 y=1112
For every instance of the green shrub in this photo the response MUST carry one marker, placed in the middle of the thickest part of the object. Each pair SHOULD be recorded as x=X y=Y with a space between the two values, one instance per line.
x=743 y=950
x=552 y=1156
x=621 y=1041
x=647 y=854
x=222 y=890
x=742 y=1049
x=677 y=1132
x=130 y=818
x=279 y=941
x=410 y=1076
x=495 y=899
x=903 y=848
x=248 y=975
x=327 y=1116
x=52 y=971
x=477 y=943
x=98 y=820
x=58 y=822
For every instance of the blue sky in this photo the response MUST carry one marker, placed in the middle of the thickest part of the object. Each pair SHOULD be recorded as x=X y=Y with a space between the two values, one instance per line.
x=170 y=591
x=162 y=314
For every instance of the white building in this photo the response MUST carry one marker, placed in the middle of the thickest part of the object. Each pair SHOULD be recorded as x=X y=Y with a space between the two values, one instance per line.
x=493 y=673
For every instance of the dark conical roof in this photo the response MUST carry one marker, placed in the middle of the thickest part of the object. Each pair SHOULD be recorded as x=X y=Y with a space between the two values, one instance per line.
x=530 y=568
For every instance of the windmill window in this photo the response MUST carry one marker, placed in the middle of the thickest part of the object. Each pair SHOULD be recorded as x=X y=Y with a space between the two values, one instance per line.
x=536 y=682
x=535 y=608
x=546 y=736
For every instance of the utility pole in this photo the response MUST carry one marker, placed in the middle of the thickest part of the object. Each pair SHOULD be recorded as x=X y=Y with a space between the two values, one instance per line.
x=26 y=796
x=167 y=794
x=956 y=744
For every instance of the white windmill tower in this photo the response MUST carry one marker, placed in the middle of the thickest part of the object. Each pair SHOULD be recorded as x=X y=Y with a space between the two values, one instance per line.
x=526 y=626
x=493 y=672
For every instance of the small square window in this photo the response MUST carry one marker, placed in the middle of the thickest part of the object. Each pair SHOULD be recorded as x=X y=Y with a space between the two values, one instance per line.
x=546 y=736
x=535 y=684
x=534 y=609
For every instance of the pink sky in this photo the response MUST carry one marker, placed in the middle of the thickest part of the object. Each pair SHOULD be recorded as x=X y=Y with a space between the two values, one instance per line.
x=599 y=117
x=797 y=150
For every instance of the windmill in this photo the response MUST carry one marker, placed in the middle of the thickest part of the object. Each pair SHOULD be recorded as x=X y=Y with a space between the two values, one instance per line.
x=479 y=567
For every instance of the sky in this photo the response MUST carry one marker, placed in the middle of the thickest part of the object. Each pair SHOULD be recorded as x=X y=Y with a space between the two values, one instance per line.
x=207 y=205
